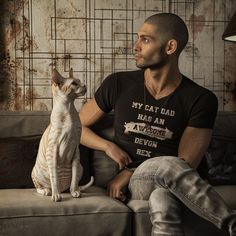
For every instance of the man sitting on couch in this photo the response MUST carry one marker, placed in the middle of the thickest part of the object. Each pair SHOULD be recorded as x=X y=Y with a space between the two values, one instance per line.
x=163 y=125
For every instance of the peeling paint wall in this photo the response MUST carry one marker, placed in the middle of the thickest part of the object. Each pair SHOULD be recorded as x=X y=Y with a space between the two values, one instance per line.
x=95 y=38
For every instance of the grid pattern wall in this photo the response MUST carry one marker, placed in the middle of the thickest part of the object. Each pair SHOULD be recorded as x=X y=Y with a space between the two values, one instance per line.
x=95 y=38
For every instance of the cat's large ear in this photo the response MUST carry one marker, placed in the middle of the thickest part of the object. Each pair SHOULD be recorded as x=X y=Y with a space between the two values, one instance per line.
x=56 y=77
x=71 y=73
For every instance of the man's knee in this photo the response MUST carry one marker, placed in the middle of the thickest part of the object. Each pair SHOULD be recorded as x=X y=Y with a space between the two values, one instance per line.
x=167 y=163
x=163 y=203
x=157 y=200
x=168 y=169
x=164 y=170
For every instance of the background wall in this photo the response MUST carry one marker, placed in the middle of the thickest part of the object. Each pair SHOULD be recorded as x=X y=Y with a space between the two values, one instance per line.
x=95 y=38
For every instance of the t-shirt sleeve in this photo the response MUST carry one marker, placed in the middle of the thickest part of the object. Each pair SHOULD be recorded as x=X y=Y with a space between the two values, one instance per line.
x=204 y=111
x=106 y=94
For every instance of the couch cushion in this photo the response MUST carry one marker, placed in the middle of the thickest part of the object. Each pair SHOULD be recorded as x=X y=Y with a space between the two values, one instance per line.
x=221 y=160
x=221 y=154
x=17 y=158
x=225 y=125
x=92 y=214
x=103 y=168
x=141 y=219
x=23 y=123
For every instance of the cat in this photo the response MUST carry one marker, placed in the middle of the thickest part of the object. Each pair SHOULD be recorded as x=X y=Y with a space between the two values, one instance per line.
x=57 y=167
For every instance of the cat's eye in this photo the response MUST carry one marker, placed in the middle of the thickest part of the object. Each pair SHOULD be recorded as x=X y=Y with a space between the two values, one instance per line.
x=74 y=83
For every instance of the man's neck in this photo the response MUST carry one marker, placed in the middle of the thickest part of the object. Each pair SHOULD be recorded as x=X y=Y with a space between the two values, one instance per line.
x=161 y=83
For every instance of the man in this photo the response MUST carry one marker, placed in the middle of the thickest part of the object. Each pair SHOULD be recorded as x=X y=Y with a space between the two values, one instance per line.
x=163 y=126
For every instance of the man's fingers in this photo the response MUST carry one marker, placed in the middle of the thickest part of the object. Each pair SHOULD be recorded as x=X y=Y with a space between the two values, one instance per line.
x=114 y=193
x=124 y=161
x=127 y=160
x=121 y=165
x=130 y=160
x=117 y=194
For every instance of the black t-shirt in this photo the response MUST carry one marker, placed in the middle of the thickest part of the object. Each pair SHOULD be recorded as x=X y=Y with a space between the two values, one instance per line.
x=146 y=127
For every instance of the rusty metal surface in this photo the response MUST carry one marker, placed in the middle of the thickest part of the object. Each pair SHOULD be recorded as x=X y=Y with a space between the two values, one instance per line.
x=96 y=37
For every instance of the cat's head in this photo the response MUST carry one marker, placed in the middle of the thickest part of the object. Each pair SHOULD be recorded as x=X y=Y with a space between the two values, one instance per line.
x=67 y=87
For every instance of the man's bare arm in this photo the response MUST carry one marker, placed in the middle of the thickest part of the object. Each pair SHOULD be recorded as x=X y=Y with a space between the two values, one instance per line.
x=89 y=114
x=193 y=145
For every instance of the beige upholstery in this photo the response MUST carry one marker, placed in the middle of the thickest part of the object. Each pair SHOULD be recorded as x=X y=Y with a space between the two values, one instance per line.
x=24 y=212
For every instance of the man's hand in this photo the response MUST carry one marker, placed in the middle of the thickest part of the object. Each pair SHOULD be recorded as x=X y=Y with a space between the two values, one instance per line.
x=118 y=155
x=114 y=187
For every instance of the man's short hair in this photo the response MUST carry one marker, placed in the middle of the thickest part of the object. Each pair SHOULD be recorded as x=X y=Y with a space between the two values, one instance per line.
x=170 y=26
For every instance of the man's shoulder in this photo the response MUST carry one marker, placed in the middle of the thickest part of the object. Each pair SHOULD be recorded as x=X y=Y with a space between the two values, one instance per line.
x=194 y=88
x=197 y=94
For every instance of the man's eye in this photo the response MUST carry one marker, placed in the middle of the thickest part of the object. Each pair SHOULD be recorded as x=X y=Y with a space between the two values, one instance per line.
x=145 y=40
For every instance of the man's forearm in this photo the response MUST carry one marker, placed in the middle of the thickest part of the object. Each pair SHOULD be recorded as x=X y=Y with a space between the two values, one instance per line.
x=92 y=140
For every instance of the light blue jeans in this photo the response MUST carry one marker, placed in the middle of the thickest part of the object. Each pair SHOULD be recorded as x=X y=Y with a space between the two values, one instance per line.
x=167 y=182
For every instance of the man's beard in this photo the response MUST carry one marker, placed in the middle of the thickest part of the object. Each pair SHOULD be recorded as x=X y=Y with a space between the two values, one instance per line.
x=156 y=65
x=163 y=60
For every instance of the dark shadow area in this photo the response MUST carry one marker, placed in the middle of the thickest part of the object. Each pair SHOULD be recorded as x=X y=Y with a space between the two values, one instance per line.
x=4 y=58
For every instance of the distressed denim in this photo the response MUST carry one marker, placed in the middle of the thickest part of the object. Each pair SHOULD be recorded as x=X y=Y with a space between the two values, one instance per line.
x=168 y=182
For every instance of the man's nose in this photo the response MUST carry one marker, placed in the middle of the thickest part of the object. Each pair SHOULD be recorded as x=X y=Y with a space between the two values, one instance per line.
x=136 y=46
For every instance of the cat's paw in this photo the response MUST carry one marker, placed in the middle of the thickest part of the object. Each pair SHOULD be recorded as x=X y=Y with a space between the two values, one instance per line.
x=75 y=193
x=56 y=197
x=47 y=192
x=44 y=191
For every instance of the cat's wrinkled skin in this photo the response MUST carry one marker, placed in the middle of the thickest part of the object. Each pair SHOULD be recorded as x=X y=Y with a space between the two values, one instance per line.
x=57 y=166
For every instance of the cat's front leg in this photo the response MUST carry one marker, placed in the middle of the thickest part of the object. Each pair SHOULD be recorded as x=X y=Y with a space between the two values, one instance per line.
x=52 y=161
x=56 y=196
x=77 y=171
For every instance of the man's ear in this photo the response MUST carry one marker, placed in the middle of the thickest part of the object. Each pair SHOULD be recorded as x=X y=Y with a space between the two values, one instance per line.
x=57 y=79
x=171 y=46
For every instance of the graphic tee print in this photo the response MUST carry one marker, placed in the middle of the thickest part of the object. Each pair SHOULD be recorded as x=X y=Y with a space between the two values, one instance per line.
x=146 y=127
x=145 y=130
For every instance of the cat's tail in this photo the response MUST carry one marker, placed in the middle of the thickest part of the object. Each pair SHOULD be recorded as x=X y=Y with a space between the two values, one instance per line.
x=90 y=183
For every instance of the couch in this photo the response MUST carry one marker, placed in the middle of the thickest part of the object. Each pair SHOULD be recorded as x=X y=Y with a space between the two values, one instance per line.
x=24 y=212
